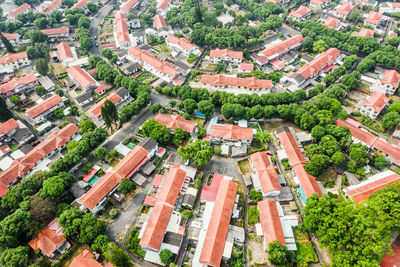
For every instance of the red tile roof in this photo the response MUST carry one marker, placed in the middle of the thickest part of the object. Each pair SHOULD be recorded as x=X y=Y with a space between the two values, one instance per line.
x=361 y=135
x=345 y=9
x=8 y=126
x=217 y=230
x=90 y=174
x=157 y=180
x=218 y=53
x=223 y=80
x=307 y=181
x=246 y=66
x=172 y=121
x=364 y=32
x=374 y=17
x=81 y=76
x=163 y=4
x=266 y=172
x=85 y=259
x=64 y=51
x=331 y=22
x=312 y=68
x=157 y=224
x=377 y=101
x=184 y=43
x=80 y=4
x=56 y=31
x=300 y=12
x=10 y=36
x=121 y=28
x=100 y=89
x=209 y=192
x=391 y=77
x=51 y=6
x=48 y=239
x=231 y=132
x=282 y=47
x=362 y=191
x=318 y=2
x=159 y=22
x=129 y=5
x=44 y=106
x=291 y=148
x=395 y=4
x=5 y=149
x=57 y=139
x=270 y=222
x=22 y=8
x=112 y=178
x=146 y=57
x=96 y=109
x=12 y=57
x=17 y=81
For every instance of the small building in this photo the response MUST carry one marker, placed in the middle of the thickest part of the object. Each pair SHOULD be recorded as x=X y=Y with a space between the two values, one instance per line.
x=231 y=135
x=121 y=31
x=84 y=100
x=344 y=10
x=246 y=67
x=390 y=81
x=172 y=121
x=279 y=49
x=8 y=129
x=19 y=85
x=11 y=62
x=57 y=34
x=160 y=25
x=129 y=5
x=364 y=32
x=302 y=13
x=43 y=110
x=47 y=83
x=85 y=259
x=226 y=55
x=374 y=105
x=163 y=6
x=182 y=45
x=65 y=54
x=374 y=19
x=264 y=175
x=55 y=4
x=138 y=38
x=224 y=82
x=24 y=8
x=189 y=198
x=333 y=23
x=319 y=3
x=13 y=38
x=81 y=78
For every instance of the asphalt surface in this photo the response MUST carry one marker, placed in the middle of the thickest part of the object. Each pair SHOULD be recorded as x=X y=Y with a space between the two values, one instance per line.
x=96 y=19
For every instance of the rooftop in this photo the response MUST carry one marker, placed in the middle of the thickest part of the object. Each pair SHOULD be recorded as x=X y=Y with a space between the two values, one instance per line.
x=377 y=101
x=300 y=12
x=218 y=53
x=266 y=172
x=312 y=68
x=12 y=57
x=224 y=80
x=44 y=106
x=172 y=121
x=17 y=81
x=270 y=222
x=282 y=47
x=96 y=109
x=48 y=239
x=81 y=76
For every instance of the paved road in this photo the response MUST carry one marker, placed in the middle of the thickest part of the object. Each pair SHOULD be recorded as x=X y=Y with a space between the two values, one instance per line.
x=96 y=19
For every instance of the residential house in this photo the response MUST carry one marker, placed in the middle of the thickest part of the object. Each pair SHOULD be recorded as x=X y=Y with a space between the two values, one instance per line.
x=389 y=7
x=374 y=19
x=344 y=10
x=82 y=79
x=363 y=190
x=264 y=175
x=65 y=54
x=319 y=3
x=374 y=105
x=84 y=100
x=96 y=198
x=121 y=31
x=390 y=81
x=226 y=55
x=100 y=90
x=80 y=4
x=43 y=110
x=11 y=62
x=8 y=129
x=47 y=83
x=50 y=241
x=182 y=45
x=19 y=10
x=232 y=135
x=370 y=3
x=137 y=38
x=223 y=82
x=85 y=259
x=280 y=48
x=134 y=24
x=13 y=38
x=19 y=85
x=364 y=32
x=129 y=5
x=333 y=23
x=163 y=6
x=57 y=34
x=172 y=121
x=161 y=26
x=313 y=68
x=302 y=13
x=55 y=4
x=246 y=67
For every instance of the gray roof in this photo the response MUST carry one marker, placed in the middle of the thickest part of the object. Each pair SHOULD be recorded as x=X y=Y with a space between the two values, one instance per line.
x=297 y=77
x=188 y=200
x=122 y=92
x=83 y=97
x=148 y=168
x=173 y=239
x=148 y=143
x=137 y=34
x=307 y=58
x=21 y=134
x=133 y=67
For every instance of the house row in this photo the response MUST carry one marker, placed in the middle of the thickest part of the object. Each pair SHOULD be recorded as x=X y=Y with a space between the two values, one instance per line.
x=172 y=121
x=374 y=105
x=56 y=35
x=13 y=38
x=226 y=56
x=231 y=135
x=19 y=85
x=302 y=13
x=11 y=62
x=42 y=111
x=264 y=175
x=278 y=49
x=25 y=166
x=55 y=4
x=12 y=129
x=223 y=82
x=129 y=5
x=82 y=78
x=121 y=31
x=80 y=4
x=66 y=54
x=163 y=6
x=182 y=45
x=24 y=8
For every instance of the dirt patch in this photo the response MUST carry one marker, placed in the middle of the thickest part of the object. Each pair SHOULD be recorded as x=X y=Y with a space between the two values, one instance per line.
x=244 y=166
x=256 y=249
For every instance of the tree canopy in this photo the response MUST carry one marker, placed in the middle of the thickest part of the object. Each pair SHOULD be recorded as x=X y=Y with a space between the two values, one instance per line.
x=199 y=151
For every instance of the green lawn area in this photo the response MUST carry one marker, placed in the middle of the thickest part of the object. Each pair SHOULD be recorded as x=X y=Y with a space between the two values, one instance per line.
x=363 y=86
x=305 y=250
x=328 y=176
x=244 y=166
x=252 y=215
x=58 y=69
x=200 y=122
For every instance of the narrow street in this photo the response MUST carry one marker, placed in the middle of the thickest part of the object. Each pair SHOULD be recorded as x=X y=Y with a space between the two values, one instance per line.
x=94 y=26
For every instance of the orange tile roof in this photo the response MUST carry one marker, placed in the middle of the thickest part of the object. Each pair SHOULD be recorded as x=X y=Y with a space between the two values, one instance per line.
x=246 y=66
x=270 y=222
x=129 y=4
x=362 y=191
x=184 y=43
x=391 y=77
x=318 y=2
x=51 y=6
x=96 y=109
x=345 y=9
x=377 y=101
x=156 y=225
x=362 y=135
x=364 y=32
x=312 y=68
x=374 y=17
x=218 y=53
x=300 y=12
x=291 y=148
x=395 y=4
x=223 y=80
x=231 y=132
x=172 y=121
x=159 y=22
x=8 y=126
x=81 y=76
x=80 y=4
x=282 y=47
x=17 y=81
x=19 y=10
x=217 y=230
x=57 y=139
x=121 y=26
x=85 y=259
x=12 y=57
x=64 y=51
x=146 y=57
x=55 y=31
x=48 y=239
x=162 y=4
x=10 y=36
x=331 y=22
x=44 y=106
x=266 y=172
x=307 y=181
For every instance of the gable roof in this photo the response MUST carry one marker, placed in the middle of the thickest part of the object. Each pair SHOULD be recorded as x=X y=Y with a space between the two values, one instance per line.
x=344 y=9
x=22 y=8
x=270 y=222
x=318 y=2
x=307 y=181
x=172 y=121
x=51 y=6
x=48 y=239
x=64 y=51
x=163 y=4
x=364 y=32
x=96 y=109
x=266 y=172
x=290 y=146
x=300 y=12
x=17 y=81
x=121 y=28
x=331 y=22
x=85 y=259
x=246 y=66
x=12 y=57
x=282 y=47
x=54 y=31
x=159 y=22
x=8 y=126
x=182 y=42
x=391 y=77
x=44 y=106
x=231 y=132
x=129 y=5
x=312 y=68
x=10 y=36
x=80 y=4
x=81 y=76
x=224 y=80
x=218 y=53
x=374 y=17
x=376 y=101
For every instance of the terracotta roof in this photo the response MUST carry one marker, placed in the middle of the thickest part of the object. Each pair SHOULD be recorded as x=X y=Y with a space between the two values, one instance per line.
x=85 y=259
x=11 y=57
x=112 y=178
x=44 y=106
x=300 y=12
x=80 y=4
x=172 y=121
x=270 y=222
x=121 y=28
x=395 y=4
x=218 y=53
x=231 y=132
x=81 y=76
x=146 y=57
x=362 y=191
x=318 y=2
x=307 y=181
x=266 y=172
x=391 y=77
x=10 y=36
x=282 y=47
x=312 y=68
x=48 y=239
x=5 y=149
x=388 y=149
x=184 y=43
x=100 y=89
x=51 y=6
x=345 y=9
x=361 y=135
x=217 y=230
x=246 y=66
x=290 y=146
x=374 y=17
x=157 y=224
x=364 y=32
x=331 y=22
x=17 y=81
x=55 y=31
x=159 y=22
x=209 y=192
x=96 y=109
x=157 y=180
x=223 y=80
x=163 y=4
x=129 y=5
x=57 y=139
x=377 y=101
x=8 y=126
x=19 y=10
x=92 y=72
x=64 y=51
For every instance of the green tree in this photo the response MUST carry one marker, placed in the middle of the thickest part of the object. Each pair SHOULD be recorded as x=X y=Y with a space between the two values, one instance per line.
x=59 y=92
x=186 y=214
x=92 y=7
x=106 y=52
x=275 y=76
x=359 y=154
x=390 y=120
x=263 y=137
x=172 y=103
x=117 y=256
x=126 y=186
x=166 y=256
x=41 y=66
x=201 y=133
x=84 y=22
x=255 y=196
x=338 y=158
x=15 y=257
x=320 y=46
x=190 y=105
x=317 y=165
x=199 y=151
x=157 y=131
x=85 y=44
x=40 y=90
x=41 y=23
x=5 y=113
x=206 y=107
x=101 y=153
x=59 y=113
x=155 y=108
x=6 y=43
x=87 y=126
x=179 y=136
x=42 y=209
x=109 y=113
x=221 y=67
x=279 y=254
x=15 y=99
x=100 y=244
x=380 y=163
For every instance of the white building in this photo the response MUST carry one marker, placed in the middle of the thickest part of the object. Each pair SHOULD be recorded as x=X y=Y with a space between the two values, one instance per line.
x=374 y=105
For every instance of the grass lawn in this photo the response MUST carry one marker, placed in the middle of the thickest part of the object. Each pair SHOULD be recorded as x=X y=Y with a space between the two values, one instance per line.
x=200 y=122
x=58 y=69
x=244 y=166
x=328 y=176
x=363 y=86
x=252 y=215
x=305 y=250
